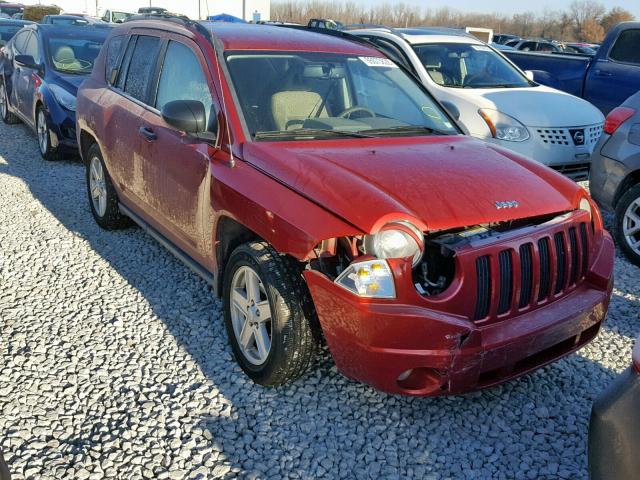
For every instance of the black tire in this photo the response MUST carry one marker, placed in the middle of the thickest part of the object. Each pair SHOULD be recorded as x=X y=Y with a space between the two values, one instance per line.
x=47 y=151
x=632 y=195
x=293 y=346
x=7 y=117
x=112 y=218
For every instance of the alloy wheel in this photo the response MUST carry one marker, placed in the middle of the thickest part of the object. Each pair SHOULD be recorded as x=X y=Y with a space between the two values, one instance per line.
x=631 y=226
x=97 y=186
x=251 y=315
x=43 y=133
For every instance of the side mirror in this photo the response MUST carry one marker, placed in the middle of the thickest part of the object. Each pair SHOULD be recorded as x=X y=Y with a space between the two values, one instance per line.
x=27 y=61
x=529 y=75
x=189 y=116
x=452 y=109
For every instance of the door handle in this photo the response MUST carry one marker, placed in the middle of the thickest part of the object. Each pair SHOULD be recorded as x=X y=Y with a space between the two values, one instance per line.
x=602 y=73
x=147 y=133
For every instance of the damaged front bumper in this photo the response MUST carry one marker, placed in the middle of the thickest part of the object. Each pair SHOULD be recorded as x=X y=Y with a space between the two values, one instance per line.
x=407 y=346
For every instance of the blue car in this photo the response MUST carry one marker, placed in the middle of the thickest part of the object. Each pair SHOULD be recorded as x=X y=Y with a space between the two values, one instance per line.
x=41 y=69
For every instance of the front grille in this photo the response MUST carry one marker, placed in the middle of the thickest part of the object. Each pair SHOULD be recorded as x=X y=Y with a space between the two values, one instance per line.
x=532 y=273
x=562 y=136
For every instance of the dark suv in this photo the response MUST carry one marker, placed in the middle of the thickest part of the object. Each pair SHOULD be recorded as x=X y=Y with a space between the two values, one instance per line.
x=322 y=190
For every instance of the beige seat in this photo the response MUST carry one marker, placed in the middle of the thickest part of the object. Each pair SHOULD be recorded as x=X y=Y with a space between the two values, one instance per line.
x=65 y=59
x=291 y=108
x=433 y=66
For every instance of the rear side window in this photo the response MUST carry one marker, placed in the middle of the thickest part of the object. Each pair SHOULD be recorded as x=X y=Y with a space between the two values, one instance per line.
x=182 y=78
x=528 y=47
x=627 y=47
x=142 y=67
x=114 y=52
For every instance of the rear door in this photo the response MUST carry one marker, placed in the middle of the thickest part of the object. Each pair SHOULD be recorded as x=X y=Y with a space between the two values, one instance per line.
x=176 y=167
x=614 y=78
x=129 y=67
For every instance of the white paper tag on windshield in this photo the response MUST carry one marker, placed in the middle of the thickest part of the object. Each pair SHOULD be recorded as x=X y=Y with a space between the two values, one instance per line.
x=378 y=62
x=481 y=48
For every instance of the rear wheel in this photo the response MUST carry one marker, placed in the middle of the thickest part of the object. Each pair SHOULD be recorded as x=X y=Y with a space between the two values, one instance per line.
x=627 y=224
x=47 y=151
x=103 y=198
x=7 y=117
x=267 y=312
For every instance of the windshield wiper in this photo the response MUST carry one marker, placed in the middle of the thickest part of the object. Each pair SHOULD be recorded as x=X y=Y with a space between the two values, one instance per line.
x=408 y=129
x=309 y=132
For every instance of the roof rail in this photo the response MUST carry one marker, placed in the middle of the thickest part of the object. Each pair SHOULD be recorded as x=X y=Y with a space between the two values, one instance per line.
x=357 y=26
x=333 y=33
x=173 y=18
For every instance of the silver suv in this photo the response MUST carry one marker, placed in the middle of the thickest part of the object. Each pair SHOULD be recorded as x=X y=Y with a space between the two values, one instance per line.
x=615 y=174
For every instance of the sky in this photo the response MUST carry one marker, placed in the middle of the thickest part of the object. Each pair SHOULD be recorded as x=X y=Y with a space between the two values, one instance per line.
x=507 y=6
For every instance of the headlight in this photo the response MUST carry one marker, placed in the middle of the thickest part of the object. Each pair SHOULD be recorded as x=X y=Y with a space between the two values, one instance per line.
x=370 y=279
x=586 y=206
x=63 y=97
x=396 y=240
x=504 y=127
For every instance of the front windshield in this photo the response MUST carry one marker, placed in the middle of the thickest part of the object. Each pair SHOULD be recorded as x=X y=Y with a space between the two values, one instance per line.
x=322 y=95
x=73 y=55
x=463 y=65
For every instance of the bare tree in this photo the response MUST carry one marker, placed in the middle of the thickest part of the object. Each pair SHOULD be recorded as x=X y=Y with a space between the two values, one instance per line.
x=584 y=10
x=614 y=17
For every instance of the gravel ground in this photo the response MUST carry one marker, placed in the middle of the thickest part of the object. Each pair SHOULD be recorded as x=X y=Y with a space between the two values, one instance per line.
x=115 y=364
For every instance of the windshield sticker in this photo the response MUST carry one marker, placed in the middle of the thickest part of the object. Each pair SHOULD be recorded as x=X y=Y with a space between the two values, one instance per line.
x=431 y=112
x=481 y=48
x=378 y=62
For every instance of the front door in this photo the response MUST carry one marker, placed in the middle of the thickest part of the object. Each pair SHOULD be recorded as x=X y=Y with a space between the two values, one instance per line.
x=176 y=167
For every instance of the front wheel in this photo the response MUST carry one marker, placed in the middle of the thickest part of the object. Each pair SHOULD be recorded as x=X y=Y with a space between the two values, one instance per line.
x=627 y=224
x=267 y=313
x=47 y=151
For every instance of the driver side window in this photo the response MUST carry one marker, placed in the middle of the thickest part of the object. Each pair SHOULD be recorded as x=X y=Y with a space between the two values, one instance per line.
x=182 y=78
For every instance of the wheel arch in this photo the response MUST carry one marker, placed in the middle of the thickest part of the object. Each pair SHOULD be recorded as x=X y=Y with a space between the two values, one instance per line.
x=229 y=234
x=630 y=181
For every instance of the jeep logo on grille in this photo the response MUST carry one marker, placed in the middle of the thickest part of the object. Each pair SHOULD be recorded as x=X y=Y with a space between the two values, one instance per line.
x=507 y=204
x=578 y=136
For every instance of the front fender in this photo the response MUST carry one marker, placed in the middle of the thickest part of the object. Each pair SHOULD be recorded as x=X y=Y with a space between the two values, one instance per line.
x=291 y=223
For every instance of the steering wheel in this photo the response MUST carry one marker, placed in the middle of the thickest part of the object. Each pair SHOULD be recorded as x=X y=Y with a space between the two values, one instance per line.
x=349 y=111
x=66 y=62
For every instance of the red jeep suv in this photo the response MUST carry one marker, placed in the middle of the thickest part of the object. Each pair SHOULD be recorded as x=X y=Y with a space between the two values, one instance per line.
x=325 y=194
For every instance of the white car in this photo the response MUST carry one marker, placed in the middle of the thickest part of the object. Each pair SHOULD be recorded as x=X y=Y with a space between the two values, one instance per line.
x=496 y=101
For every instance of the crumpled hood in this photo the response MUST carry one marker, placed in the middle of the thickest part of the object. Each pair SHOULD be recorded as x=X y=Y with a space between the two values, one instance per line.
x=442 y=182
x=537 y=106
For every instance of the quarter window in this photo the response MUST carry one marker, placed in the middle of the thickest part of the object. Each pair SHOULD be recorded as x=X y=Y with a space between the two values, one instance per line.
x=141 y=67
x=626 y=47
x=182 y=78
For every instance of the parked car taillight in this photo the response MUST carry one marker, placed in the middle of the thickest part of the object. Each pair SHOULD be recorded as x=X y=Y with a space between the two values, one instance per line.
x=636 y=355
x=617 y=117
